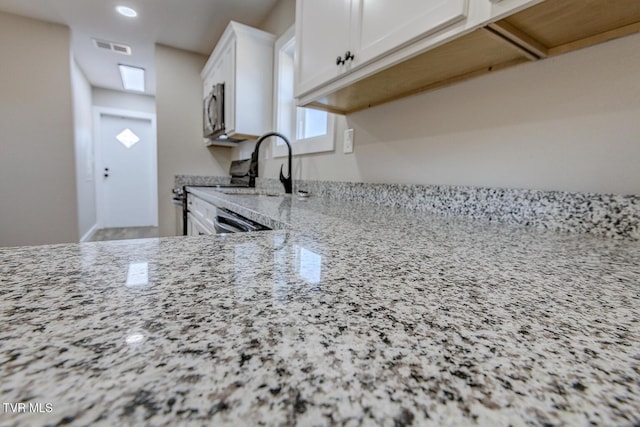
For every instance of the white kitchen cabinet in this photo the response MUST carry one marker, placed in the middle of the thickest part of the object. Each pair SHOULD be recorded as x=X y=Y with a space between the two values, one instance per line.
x=385 y=26
x=323 y=32
x=243 y=61
x=204 y=212
x=217 y=72
x=502 y=8
x=402 y=48
x=333 y=37
x=196 y=228
x=398 y=49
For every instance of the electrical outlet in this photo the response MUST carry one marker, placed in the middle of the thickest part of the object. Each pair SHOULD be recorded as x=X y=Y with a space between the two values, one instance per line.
x=347 y=143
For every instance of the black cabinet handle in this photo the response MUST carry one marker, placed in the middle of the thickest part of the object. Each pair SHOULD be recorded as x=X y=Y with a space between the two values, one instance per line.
x=348 y=56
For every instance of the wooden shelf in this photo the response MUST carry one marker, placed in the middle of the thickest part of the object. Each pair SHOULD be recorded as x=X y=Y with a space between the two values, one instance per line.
x=565 y=25
x=549 y=28
x=477 y=53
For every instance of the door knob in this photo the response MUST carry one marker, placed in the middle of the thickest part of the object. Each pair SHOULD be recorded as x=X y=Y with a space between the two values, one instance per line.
x=339 y=61
x=106 y=175
x=348 y=56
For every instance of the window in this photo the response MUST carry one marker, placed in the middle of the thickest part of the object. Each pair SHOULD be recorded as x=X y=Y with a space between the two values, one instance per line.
x=309 y=130
x=127 y=138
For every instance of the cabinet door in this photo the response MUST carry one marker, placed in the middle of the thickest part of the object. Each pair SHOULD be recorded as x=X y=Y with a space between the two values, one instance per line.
x=323 y=30
x=196 y=228
x=203 y=211
x=194 y=205
x=214 y=76
x=388 y=25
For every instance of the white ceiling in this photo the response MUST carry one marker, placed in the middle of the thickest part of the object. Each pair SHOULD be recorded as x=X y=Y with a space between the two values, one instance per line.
x=194 y=25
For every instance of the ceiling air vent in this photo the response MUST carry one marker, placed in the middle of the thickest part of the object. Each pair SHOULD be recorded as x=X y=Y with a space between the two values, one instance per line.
x=112 y=46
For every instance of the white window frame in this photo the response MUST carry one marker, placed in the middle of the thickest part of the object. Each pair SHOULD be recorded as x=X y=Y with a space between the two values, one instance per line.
x=315 y=144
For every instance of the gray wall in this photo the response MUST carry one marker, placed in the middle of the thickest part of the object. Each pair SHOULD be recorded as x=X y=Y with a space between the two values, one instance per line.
x=37 y=168
x=84 y=158
x=181 y=149
x=565 y=123
x=281 y=17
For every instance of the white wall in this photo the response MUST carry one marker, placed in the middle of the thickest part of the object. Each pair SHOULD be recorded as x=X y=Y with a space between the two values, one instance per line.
x=37 y=168
x=84 y=158
x=181 y=149
x=123 y=100
x=565 y=123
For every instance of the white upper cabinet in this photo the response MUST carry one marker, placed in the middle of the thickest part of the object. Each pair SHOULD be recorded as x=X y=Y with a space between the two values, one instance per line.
x=388 y=50
x=336 y=36
x=383 y=26
x=243 y=61
x=323 y=30
x=398 y=49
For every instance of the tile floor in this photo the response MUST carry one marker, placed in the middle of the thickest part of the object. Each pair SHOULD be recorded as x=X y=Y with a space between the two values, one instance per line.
x=124 y=233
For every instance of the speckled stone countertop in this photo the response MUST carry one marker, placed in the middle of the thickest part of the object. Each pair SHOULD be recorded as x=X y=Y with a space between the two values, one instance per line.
x=344 y=314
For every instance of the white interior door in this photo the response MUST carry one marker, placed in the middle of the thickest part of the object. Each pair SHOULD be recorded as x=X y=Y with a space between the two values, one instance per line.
x=128 y=153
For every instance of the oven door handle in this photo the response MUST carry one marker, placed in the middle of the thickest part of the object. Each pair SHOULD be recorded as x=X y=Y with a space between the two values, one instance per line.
x=225 y=228
x=228 y=218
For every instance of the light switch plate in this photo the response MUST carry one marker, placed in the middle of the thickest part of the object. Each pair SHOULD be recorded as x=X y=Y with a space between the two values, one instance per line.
x=347 y=143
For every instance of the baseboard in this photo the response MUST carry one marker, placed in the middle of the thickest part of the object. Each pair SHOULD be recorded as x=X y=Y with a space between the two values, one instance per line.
x=89 y=233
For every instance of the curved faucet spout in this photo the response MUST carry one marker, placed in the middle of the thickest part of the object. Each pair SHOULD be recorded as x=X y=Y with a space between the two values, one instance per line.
x=253 y=169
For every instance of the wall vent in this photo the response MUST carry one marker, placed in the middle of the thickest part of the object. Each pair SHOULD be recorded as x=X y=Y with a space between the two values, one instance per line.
x=120 y=48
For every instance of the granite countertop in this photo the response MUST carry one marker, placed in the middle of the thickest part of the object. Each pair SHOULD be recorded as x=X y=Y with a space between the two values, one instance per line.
x=344 y=314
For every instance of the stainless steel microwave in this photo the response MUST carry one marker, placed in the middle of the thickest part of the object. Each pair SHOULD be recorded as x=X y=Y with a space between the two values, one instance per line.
x=213 y=112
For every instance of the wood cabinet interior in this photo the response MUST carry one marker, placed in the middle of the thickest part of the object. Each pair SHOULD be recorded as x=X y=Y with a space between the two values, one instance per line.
x=565 y=25
x=550 y=28
x=476 y=53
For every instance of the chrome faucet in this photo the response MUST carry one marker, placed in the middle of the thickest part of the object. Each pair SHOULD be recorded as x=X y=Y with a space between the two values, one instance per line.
x=253 y=168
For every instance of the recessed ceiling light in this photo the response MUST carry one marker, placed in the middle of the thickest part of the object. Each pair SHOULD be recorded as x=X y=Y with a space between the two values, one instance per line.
x=132 y=77
x=126 y=11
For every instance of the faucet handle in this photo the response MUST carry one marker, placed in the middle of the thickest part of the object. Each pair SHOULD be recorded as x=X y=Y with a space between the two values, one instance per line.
x=253 y=169
x=286 y=181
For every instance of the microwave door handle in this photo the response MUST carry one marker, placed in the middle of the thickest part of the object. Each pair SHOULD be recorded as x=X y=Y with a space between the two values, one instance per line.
x=207 y=114
x=212 y=124
x=220 y=107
